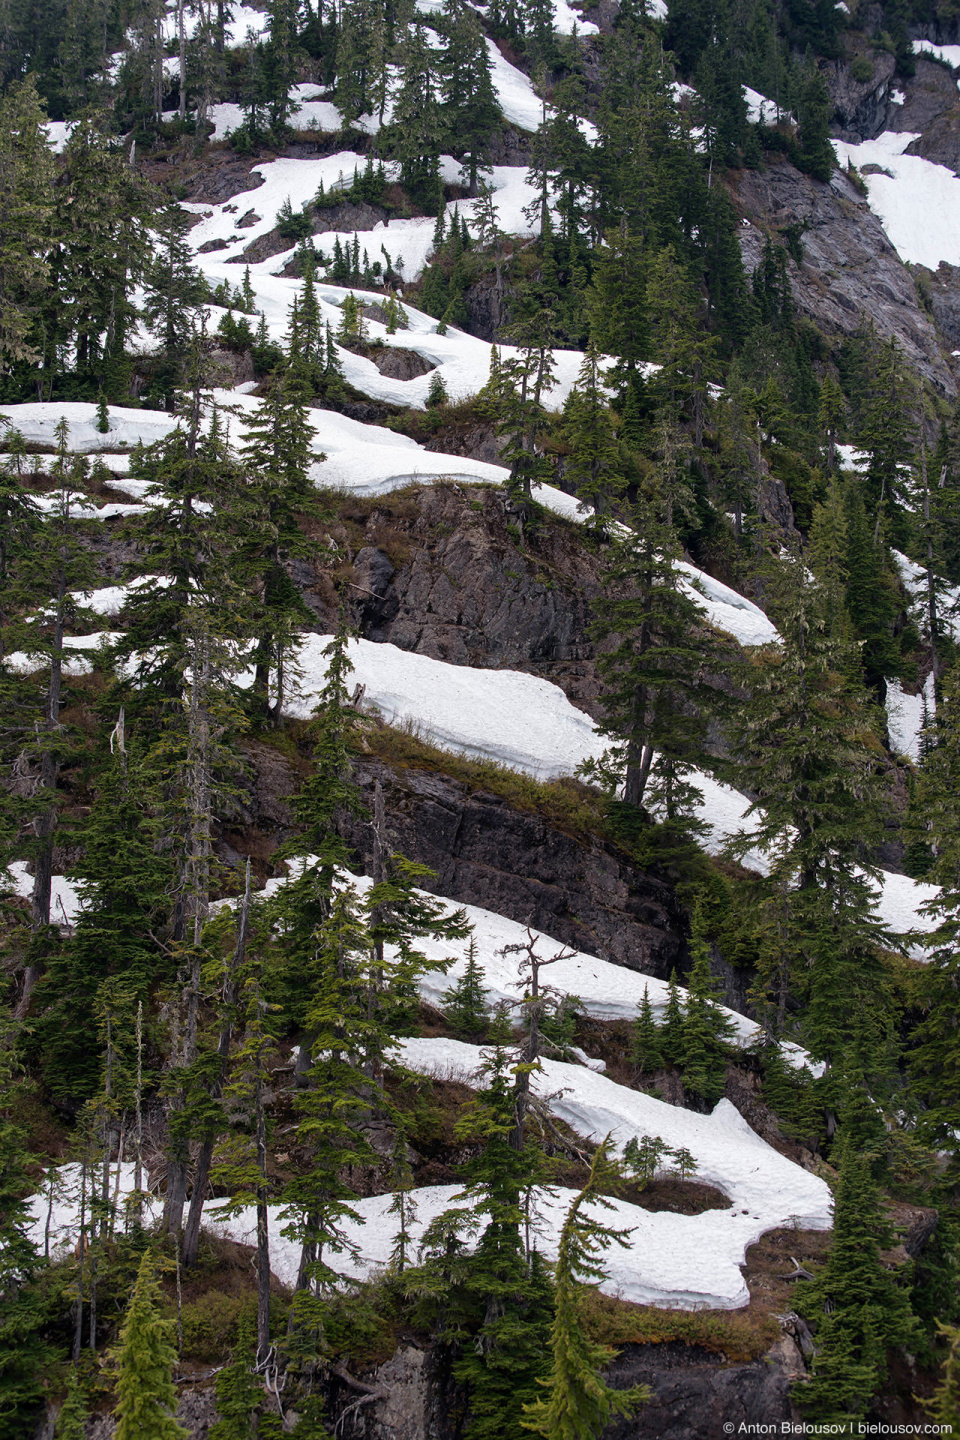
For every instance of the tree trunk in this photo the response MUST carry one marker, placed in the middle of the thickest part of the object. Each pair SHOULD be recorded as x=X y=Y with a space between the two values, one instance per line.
x=201 y=1174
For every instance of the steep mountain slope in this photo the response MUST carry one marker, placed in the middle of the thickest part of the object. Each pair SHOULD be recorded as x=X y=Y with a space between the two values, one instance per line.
x=495 y=495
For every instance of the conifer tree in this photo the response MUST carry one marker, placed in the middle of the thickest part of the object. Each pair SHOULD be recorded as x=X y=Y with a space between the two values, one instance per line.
x=240 y=1393
x=276 y=454
x=671 y=1027
x=242 y=1167
x=593 y=469
x=866 y=1310
x=278 y=62
x=944 y=1405
x=471 y=114
x=814 y=107
x=505 y=1291
x=933 y=819
x=706 y=1032
x=831 y=416
x=645 y=1049
x=829 y=556
x=416 y=130
x=145 y=1357
x=885 y=435
x=74 y=1412
x=805 y=738
x=466 y=1005
x=52 y=571
x=653 y=673
x=872 y=593
x=175 y=290
x=680 y=343
x=101 y=248
x=26 y=215
x=579 y=1403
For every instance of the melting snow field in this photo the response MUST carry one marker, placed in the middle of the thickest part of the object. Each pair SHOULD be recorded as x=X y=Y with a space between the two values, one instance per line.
x=671 y=1260
x=916 y=201
x=486 y=714
x=365 y=459
x=907 y=715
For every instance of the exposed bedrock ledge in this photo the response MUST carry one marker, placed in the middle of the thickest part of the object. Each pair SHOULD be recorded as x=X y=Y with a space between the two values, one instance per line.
x=850 y=273
x=484 y=853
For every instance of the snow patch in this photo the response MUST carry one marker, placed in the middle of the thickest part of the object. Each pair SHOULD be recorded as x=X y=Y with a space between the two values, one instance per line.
x=917 y=202
x=907 y=715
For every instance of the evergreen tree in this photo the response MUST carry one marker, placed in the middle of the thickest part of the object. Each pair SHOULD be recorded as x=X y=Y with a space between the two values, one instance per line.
x=885 y=435
x=671 y=1028
x=26 y=220
x=416 y=131
x=653 y=673
x=593 y=469
x=279 y=61
x=145 y=1357
x=240 y=1394
x=466 y=1005
x=706 y=1032
x=579 y=1403
x=470 y=111
x=645 y=1045
x=74 y=1412
x=933 y=819
x=175 y=290
x=944 y=1405
x=867 y=1312
x=242 y=1167
x=277 y=451
x=814 y=108
x=807 y=757
x=505 y=1291
x=100 y=252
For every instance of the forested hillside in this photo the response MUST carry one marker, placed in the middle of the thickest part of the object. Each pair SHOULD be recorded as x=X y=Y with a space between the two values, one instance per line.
x=480 y=806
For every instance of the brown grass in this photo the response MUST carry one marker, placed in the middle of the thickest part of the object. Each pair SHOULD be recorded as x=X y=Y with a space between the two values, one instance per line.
x=567 y=804
x=739 y=1335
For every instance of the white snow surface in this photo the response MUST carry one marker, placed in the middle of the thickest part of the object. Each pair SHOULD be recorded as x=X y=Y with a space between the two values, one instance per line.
x=917 y=202
x=244 y=21
x=949 y=53
x=763 y=111
x=914 y=579
x=675 y=1261
x=765 y=1189
x=38 y=420
x=486 y=714
x=606 y=991
x=907 y=715
x=64 y=898
x=408 y=241
x=369 y=459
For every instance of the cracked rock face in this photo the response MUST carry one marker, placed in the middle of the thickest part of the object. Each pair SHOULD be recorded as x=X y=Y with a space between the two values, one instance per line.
x=930 y=96
x=850 y=272
x=455 y=585
x=582 y=893
x=860 y=107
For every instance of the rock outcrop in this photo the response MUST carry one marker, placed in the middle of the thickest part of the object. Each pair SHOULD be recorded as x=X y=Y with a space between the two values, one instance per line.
x=850 y=272
x=860 y=107
x=930 y=98
x=582 y=892
x=443 y=573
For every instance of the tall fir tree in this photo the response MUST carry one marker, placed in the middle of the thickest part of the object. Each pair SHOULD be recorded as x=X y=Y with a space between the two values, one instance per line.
x=579 y=1403
x=145 y=1357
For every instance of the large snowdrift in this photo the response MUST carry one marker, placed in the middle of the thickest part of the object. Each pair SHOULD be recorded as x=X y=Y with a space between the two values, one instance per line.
x=670 y=1260
x=916 y=201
